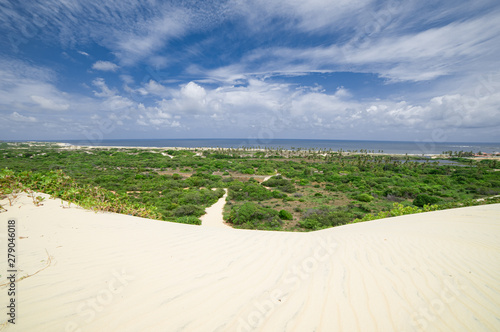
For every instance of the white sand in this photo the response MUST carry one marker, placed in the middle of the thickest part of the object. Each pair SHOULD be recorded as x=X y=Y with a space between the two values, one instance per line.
x=436 y=271
x=213 y=216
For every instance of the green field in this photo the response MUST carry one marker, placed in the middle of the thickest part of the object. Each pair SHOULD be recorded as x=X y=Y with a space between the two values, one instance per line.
x=307 y=189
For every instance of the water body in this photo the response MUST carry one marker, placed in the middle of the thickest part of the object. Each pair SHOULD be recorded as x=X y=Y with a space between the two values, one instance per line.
x=413 y=148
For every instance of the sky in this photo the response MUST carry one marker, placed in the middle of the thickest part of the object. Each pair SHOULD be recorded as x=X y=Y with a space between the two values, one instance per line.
x=412 y=70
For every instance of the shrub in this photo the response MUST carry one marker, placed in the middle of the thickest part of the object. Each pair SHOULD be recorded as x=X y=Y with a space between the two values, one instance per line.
x=248 y=171
x=249 y=192
x=251 y=215
x=364 y=198
x=188 y=220
x=285 y=215
x=325 y=217
x=424 y=199
x=189 y=210
x=278 y=194
x=398 y=210
x=279 y=183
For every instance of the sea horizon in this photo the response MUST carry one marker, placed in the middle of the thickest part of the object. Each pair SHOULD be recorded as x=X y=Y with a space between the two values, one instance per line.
x=376 y=146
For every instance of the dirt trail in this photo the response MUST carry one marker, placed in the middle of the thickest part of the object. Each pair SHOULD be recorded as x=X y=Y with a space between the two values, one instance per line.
x=213 y=215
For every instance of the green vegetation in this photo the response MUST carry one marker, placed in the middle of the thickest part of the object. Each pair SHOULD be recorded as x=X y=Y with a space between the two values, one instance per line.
x=325 y=217
x=188 y=220
x=285 y=215
x=61 y=186
x=253 y=216
x=280 y=183
x=314 y=189
x=423 y=199
x=398 y=210
x=365 y=197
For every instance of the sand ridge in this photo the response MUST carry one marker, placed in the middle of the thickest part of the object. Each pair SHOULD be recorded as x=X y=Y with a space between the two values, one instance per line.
x=435 y=271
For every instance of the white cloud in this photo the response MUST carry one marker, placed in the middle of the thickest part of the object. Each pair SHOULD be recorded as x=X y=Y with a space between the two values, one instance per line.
x=153 y=36
x=29 y=88
x=105 y=66
x=450 y=45
x=305 y=15
x=154 y=88
x=279 y=109
x=112 y=99
x=157 y=116
x=193 y=91
x=105 y=90
x=49 y=104
x=133 y=30
x=383 y=44
x=127 y=79
x=21 y=118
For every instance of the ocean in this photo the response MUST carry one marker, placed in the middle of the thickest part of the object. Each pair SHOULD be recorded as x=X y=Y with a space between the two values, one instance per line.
x=411 y=148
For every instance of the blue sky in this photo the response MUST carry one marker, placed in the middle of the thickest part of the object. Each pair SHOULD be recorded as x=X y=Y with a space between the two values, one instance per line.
x=344 y=69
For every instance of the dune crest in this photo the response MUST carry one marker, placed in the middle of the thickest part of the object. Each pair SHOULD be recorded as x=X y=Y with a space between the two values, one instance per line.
x=435 y=271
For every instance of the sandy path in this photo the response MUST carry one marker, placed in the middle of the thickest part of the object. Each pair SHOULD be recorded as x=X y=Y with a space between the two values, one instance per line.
x=270 y=176
x=213 y=215
x=434 y=271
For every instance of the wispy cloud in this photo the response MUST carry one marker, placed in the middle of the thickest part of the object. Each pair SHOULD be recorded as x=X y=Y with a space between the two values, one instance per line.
x=151 y=36
x=105 y=66
x=309 y=16
x=21 y=118
x=229 y=65
x=413 y=56
x=49 y=103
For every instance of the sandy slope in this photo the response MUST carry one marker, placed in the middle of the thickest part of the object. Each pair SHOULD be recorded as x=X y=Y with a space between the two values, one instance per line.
x=213 y=215
x=428 y=272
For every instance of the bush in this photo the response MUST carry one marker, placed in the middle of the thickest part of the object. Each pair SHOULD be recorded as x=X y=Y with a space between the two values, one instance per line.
x=285 y=215
x=251 y=215
x=325 y=217
x=424 y=199
x=248 y=171
x=188 y=220
x=249 y=192
x=189 y=210
x=279 y=183
x=398 y=210
x=364 y=198
x=278 y=194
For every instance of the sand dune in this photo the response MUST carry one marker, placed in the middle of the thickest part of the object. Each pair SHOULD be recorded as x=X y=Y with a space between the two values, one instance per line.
x=107 y=272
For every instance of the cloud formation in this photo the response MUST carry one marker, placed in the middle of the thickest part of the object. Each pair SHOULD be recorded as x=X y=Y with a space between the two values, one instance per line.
x=105 y=66
x=362 y=69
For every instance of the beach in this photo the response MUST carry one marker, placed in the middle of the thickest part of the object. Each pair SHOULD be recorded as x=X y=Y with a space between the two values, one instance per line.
x=87 y=271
